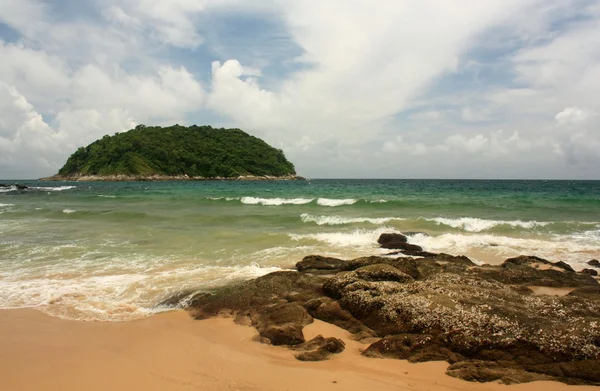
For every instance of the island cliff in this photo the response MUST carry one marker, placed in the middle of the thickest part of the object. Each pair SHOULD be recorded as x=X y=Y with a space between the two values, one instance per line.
x=177 y=153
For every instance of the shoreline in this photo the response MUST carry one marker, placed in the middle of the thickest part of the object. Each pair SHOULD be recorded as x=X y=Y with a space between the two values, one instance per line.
x=165 y=178
x=173 y=351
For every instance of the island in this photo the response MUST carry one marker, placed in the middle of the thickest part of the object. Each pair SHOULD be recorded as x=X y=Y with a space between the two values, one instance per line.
x=177 y=153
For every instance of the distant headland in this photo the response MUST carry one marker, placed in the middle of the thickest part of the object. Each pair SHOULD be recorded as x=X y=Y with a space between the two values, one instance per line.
x=177 y=153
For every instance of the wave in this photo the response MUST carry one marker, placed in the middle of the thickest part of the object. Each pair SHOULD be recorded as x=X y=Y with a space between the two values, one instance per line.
x=69 y=211
x=6 y=205
x=51 y=188
x=106 y=196
x=356 y=238
x=7 y=189
x=559 y=247
x=340 y=220
x=473 y=224
x=329 y=202
x=223 y=198
x=275 y=201
x=335 y=202
x=119 y=297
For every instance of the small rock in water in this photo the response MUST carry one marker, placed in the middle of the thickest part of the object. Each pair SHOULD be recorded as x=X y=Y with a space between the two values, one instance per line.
x=391 y=238
x=594 y=263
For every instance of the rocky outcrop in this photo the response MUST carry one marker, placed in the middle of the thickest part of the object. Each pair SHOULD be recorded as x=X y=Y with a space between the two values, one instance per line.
x=483 y=320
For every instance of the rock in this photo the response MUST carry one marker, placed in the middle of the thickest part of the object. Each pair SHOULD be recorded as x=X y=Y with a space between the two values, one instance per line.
x=20 y=187
x=401 y=246
x=486 y=371
x=414 y=253
x=391 y=237
x=412 y=347
x=594 y=263
x=396 y=241
x=329 y=310
x=461 y=259
x=518 y=271
x=564 y=266
x=319 y=263
x=591 y=272
x=382 y=273
x=319 y=348
x=404 y=264
x=484 y=320
x=272 y=302
x=588 y=292
x=282 y=324
x=532 y=261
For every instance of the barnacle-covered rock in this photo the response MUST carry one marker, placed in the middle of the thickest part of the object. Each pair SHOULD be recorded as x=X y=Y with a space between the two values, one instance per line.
x=484 y=320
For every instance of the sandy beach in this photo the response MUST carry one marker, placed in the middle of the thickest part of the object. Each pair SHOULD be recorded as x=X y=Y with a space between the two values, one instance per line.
x=171 y=351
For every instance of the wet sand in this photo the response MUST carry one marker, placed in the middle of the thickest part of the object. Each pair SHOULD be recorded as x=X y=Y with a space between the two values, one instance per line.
x=171 y=351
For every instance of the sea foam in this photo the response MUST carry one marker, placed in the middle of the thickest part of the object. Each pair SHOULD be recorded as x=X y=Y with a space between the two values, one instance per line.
x=340 y=220
x=136 y=293
x=359 y=237
x=473 y=224
x=50 y=188
x=335 y=202
x=275 y=201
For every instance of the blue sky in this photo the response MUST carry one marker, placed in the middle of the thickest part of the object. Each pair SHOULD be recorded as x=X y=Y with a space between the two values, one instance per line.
x=407 y=89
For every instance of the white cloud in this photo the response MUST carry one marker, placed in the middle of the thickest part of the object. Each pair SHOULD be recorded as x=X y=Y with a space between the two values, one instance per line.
x=360 y=87
x=572 y=115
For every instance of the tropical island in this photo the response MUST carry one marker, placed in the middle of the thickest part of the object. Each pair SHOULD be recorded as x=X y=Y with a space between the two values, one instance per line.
x=177 y=153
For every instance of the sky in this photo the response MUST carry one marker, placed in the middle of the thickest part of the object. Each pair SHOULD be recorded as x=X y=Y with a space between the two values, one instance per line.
x=347 y=88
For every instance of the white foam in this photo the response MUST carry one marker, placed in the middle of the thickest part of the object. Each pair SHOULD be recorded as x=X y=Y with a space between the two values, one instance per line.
x=57 y=188
x=356 y=238
x=81 y=295
x=6 y=205
x=106 y=196
x=275 y=201
x=335 y=202
x=563 y=248
x=7 y=189
x=340 y=220
x=473 y=224
x=69 y=211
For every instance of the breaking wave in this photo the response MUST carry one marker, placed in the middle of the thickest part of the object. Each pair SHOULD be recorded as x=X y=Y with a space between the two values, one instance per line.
x=473 y=224
x=340 y=220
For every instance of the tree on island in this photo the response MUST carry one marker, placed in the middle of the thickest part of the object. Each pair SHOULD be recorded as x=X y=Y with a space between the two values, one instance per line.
x=195 y=151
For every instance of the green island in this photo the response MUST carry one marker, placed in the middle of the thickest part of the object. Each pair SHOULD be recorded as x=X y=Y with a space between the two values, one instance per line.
x=177 y=153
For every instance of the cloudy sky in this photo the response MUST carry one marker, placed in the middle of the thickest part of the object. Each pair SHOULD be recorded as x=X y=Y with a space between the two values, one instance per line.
x=347 y=88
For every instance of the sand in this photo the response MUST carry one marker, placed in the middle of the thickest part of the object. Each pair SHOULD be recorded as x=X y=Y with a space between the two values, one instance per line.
x=171 y=351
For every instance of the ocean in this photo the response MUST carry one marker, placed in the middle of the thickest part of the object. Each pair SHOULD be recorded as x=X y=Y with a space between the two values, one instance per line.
x=113 y=251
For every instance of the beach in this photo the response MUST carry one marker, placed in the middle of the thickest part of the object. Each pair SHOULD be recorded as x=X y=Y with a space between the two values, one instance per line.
x=171 y=351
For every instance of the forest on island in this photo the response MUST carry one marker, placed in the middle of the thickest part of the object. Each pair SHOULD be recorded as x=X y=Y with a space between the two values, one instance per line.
x=196 y=151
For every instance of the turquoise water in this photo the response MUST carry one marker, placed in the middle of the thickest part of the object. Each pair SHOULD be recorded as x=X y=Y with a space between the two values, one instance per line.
x=112 y=251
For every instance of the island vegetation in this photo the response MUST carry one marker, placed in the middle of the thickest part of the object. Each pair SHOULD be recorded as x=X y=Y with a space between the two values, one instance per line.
x=177 y=152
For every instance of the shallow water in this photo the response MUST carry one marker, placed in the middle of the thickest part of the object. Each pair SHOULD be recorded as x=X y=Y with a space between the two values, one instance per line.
x=112 y=251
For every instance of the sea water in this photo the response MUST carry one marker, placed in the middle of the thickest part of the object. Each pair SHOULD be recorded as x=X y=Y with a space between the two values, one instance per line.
x=114 y=250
